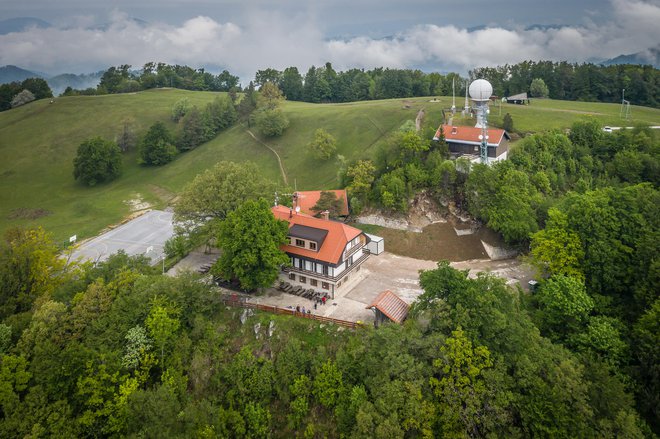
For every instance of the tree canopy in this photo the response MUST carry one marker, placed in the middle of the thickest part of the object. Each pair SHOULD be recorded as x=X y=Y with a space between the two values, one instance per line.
x=157 y=146
x=97 y=161
x=250 y=238
x=323 y=146
x=212 y=195
x=120 y=350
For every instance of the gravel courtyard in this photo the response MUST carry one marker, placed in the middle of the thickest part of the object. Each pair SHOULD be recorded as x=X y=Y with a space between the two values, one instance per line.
x=398 y=274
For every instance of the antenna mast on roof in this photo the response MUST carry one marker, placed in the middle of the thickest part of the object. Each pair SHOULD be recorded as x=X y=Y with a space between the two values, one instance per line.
x=466 y=110
x=480 y=92
x=453 y=97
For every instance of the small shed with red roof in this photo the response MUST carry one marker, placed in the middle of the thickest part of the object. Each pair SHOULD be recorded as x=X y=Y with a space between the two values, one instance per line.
x=389 y=307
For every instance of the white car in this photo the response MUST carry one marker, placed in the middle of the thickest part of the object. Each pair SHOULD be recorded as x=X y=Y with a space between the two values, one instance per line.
x=607 y=129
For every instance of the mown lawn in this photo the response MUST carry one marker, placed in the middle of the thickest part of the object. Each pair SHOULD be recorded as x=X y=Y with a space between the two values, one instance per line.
x=545 y=114
x=38 y=143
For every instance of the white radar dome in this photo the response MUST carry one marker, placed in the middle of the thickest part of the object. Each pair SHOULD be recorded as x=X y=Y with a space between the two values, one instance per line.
x=480 y=90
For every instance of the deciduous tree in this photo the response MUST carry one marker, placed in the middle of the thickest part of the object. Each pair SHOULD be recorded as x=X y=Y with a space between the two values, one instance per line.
x=557 y=249
x=30 y=266
x=324 y=145
x=461 y=387
x=180 y=109
x=22 y=98
x=538 y=89
x=157 y=147
x=565 y=305
x=218 y=191
x=97 y=161
x=162 y=323
x=361 y=176
x=271 y=122
x=250 y=238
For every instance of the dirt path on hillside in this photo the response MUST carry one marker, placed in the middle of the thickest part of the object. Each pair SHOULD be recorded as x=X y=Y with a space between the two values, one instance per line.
x=279 y=160
x=419 y=119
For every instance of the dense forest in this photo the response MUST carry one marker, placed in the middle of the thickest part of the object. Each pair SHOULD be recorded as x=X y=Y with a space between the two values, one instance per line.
x=577 y=82
x=116 y=350
x=561 y=80
x=585 y=82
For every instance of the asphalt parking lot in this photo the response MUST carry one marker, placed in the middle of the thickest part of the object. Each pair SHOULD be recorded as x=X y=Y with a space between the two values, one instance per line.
x=146 y=232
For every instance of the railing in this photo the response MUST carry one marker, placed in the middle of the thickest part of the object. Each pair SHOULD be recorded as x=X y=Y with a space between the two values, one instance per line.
x=237 y=302
x=352 y=250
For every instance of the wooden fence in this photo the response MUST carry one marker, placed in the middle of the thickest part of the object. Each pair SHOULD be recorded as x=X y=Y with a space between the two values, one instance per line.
x=238 y=302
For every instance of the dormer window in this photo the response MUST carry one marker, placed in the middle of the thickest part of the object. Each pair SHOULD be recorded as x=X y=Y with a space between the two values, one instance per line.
x=300 y=243
x=312 y=246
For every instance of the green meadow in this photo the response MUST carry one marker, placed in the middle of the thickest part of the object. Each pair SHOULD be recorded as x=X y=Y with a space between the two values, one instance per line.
x=39 y=141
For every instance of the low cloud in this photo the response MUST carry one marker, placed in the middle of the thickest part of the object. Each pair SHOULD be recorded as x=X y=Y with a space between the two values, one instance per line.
x=279 y=41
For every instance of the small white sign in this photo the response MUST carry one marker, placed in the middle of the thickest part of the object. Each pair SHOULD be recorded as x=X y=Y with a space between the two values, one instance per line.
x=73 y=239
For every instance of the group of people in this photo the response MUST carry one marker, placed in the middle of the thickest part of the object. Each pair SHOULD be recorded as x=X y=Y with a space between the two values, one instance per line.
x=300 y=309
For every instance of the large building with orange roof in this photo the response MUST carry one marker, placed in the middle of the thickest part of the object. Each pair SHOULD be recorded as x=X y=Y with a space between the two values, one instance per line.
x=325 y=255
x=465 y=141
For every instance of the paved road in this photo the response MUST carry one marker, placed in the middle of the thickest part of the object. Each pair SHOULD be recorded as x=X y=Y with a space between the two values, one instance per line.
x=607 y=129
x=149 y=230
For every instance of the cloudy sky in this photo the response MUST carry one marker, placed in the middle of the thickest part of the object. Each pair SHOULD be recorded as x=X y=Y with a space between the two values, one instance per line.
x=246 y=35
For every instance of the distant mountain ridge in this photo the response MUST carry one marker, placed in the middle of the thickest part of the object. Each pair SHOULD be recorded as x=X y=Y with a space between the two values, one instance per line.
x=13 y=73
x=57 y=83
x=19 y=24
x=650 y=56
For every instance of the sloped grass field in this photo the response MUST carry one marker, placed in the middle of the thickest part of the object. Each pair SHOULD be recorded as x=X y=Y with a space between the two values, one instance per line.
x=39 y=141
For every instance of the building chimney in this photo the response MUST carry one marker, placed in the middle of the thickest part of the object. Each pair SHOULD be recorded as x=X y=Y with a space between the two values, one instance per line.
x=290 y=213
x=325 y=214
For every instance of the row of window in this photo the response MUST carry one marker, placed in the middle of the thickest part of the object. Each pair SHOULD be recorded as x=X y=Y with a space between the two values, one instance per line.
x=312 y=282
x=302 y=243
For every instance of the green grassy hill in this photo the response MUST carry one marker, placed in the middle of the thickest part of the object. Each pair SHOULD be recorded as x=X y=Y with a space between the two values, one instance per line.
x=38 y=143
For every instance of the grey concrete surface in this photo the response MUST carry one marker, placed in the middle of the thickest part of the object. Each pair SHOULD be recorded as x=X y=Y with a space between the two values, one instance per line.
x=398 y=274
x=134 y=237
x=194 y=261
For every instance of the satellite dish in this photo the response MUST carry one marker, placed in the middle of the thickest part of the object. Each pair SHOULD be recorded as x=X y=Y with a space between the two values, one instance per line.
x=481 y=137
x=297 y=209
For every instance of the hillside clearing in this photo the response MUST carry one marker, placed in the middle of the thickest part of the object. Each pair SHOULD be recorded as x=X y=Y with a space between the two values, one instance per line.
x=38 y=143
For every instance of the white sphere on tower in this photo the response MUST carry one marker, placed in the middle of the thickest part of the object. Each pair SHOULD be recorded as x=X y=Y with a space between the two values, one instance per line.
x=480 y=90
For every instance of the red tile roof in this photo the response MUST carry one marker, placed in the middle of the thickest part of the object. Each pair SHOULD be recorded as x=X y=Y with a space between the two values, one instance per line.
x=391 y=305
x=308 y=199
x=339 y=235
x=465 y=134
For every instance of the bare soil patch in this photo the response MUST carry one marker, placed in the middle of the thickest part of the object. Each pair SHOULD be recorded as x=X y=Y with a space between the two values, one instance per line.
x=433 y=232
x=27 y=213
x=137 y=204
